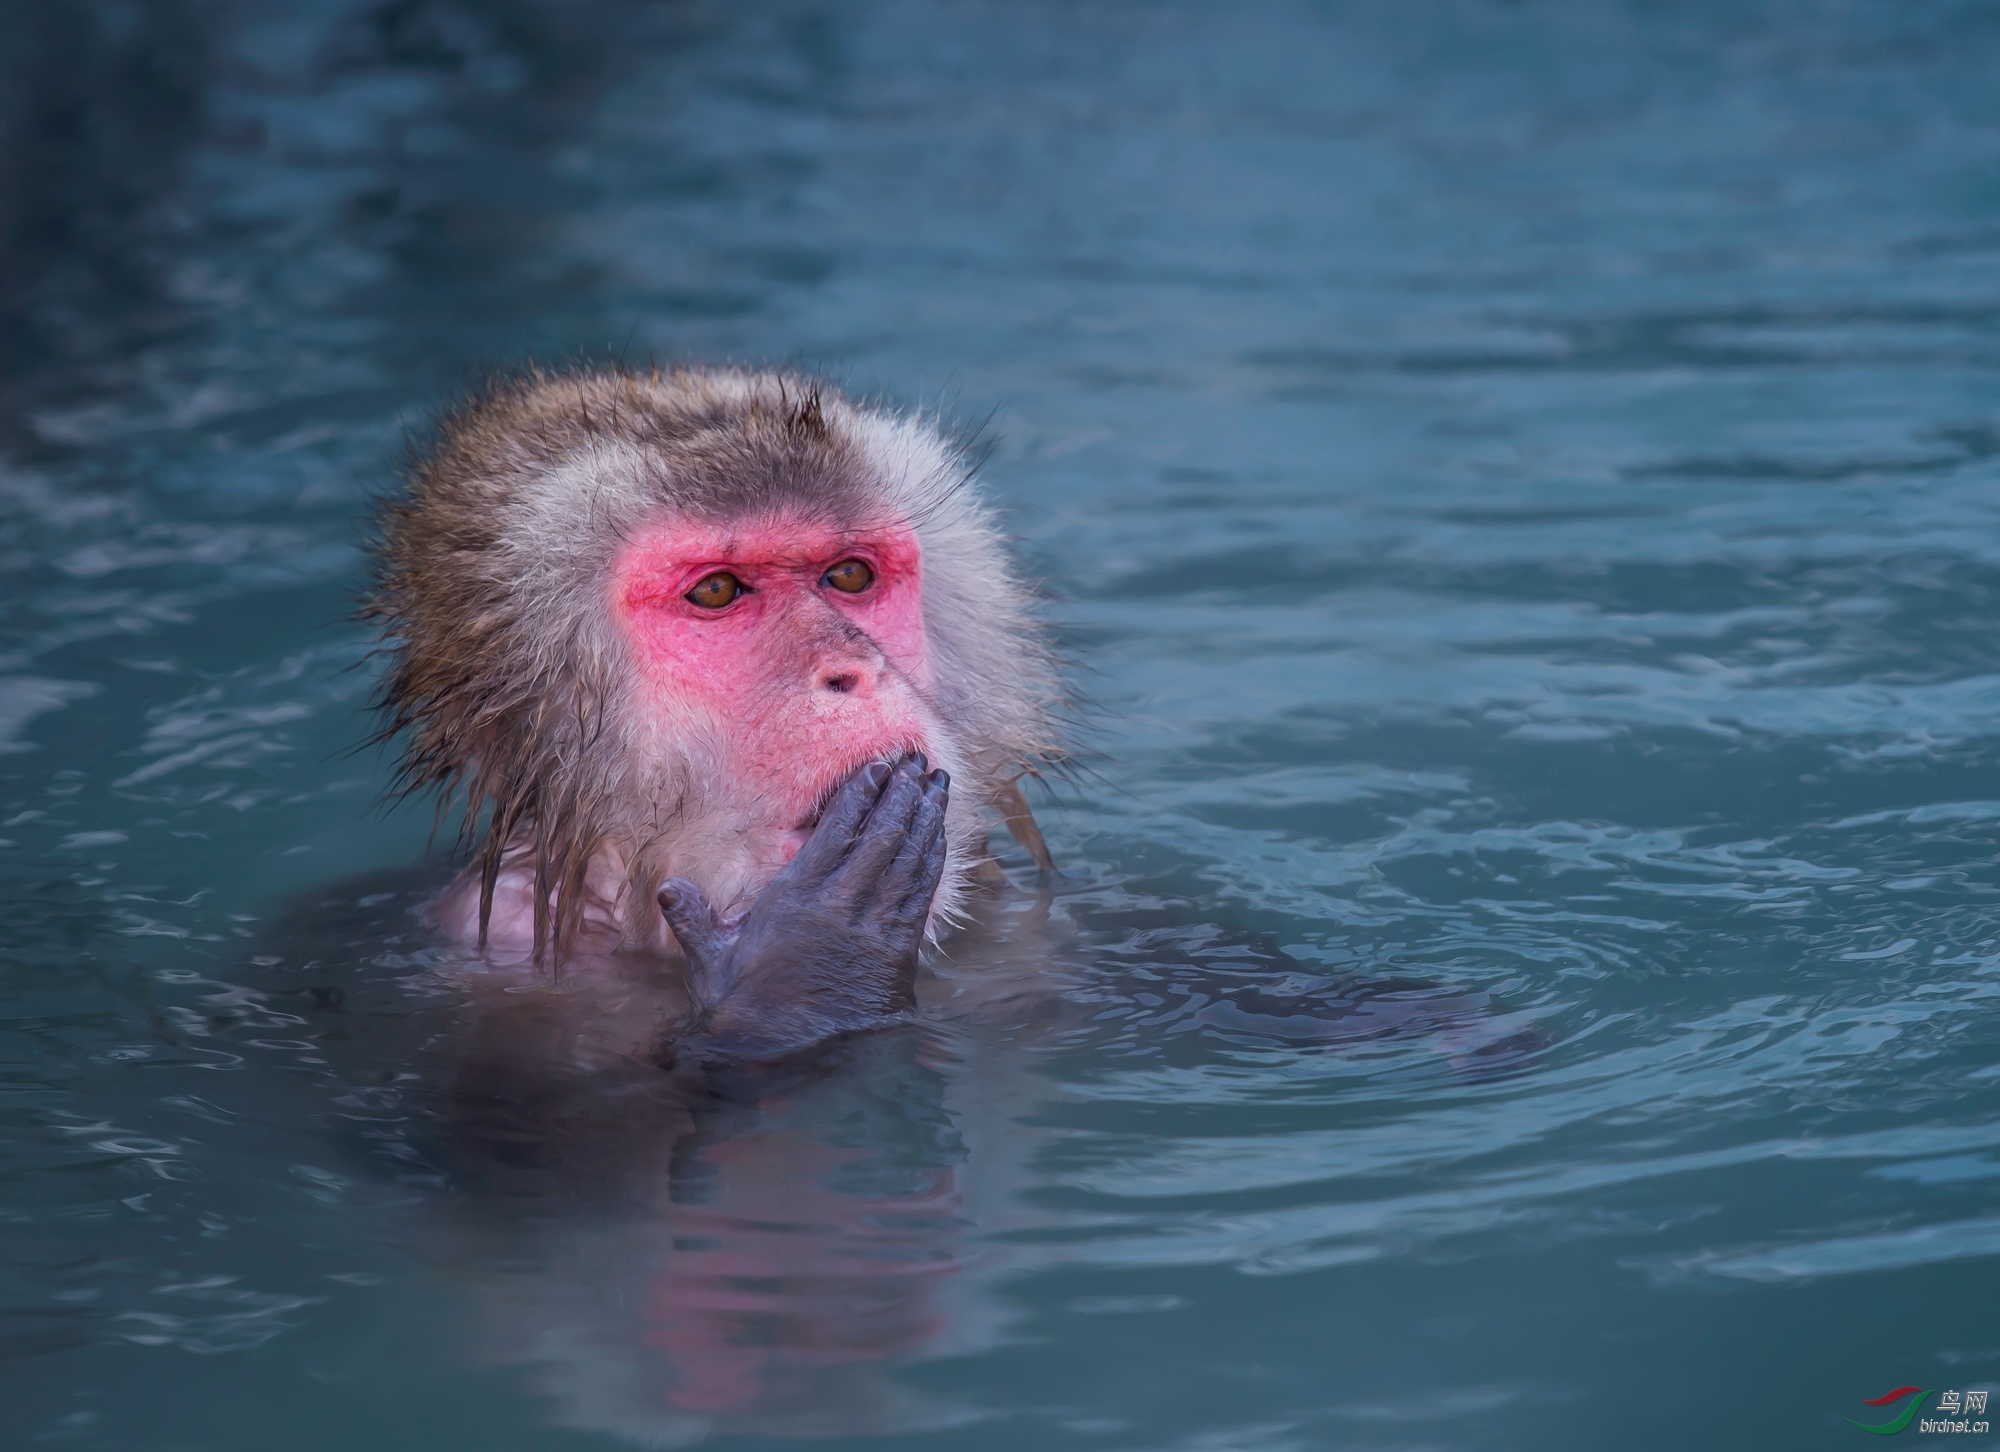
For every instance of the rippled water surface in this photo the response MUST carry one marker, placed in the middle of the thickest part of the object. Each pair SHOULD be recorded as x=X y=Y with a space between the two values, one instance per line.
x=1517 y=483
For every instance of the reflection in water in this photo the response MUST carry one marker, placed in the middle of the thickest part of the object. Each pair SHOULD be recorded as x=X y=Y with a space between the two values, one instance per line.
x=664 y=1254
x=667 y=1259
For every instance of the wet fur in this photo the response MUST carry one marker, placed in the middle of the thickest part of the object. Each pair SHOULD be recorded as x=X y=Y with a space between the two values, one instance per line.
x=509 y=684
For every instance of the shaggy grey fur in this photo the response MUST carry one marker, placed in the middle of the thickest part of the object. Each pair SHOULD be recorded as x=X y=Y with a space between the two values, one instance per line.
x=509 y=682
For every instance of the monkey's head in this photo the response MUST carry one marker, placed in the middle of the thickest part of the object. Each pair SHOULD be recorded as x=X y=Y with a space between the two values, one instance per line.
x=649 y=622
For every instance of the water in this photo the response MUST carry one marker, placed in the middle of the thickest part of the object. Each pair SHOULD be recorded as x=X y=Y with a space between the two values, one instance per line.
x=1517 y=484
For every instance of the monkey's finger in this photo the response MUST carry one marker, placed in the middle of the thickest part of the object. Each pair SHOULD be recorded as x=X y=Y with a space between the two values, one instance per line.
x=691 y=917
x=887 y=827
x=840 y=823
x=911 y=880
x=929 y=874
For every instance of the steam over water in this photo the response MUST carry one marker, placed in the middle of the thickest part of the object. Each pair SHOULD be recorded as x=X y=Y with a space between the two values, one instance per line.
x=1518 y=483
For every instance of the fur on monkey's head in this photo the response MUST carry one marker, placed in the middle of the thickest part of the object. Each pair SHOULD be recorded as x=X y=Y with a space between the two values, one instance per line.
x=545 y=586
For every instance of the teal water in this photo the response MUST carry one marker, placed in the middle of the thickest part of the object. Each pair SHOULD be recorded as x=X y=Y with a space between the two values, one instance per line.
x=1518 y=484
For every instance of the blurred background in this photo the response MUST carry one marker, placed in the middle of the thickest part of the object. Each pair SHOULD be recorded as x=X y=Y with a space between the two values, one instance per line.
x=1517 y=484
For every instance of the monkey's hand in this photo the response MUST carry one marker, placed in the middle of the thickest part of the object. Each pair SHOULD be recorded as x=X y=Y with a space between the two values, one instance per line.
x=830 y=946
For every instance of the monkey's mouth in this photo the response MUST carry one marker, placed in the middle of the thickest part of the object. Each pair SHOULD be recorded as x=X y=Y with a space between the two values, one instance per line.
x=808 y=823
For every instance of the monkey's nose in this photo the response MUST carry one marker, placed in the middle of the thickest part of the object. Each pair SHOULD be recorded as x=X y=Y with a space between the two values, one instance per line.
x=849 y=678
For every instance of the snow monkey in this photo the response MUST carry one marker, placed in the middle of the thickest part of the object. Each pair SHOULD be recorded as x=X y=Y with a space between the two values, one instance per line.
x=717 y=660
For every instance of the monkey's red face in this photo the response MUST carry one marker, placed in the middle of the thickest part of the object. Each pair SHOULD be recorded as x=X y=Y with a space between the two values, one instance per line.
x=802 y=646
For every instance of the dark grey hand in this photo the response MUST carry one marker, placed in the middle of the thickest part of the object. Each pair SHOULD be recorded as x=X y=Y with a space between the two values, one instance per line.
x=831 y=944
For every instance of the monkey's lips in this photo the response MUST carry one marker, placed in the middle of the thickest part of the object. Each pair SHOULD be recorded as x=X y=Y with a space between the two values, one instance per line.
x=791 y=839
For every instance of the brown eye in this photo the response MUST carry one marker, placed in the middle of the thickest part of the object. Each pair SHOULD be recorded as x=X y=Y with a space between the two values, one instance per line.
x=852 y=576
x=715 y=591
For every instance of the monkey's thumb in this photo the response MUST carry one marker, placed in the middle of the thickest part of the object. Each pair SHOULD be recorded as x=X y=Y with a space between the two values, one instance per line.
x=691 y=917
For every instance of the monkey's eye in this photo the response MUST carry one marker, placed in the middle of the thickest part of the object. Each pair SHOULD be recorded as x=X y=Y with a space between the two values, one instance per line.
x=714 y=591
x=851 y=576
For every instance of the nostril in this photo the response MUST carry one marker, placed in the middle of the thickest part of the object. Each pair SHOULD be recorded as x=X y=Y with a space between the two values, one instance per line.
x=842 y=682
